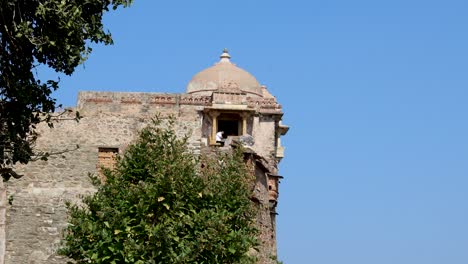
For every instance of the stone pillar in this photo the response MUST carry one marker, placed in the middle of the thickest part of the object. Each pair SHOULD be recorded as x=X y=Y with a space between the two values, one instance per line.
x=255 y=126
x=214 y=126
x=244 y=123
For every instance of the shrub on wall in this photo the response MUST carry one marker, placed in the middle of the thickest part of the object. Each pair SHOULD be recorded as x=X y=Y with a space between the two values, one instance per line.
x=160 y=205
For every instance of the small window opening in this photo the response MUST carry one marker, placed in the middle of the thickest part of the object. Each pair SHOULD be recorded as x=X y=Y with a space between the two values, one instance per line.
x=107 y=158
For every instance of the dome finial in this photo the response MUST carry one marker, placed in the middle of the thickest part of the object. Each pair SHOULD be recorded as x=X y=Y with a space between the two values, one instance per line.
x=225 y=56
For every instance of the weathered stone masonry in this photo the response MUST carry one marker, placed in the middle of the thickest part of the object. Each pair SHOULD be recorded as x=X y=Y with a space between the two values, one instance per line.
x=222 y=97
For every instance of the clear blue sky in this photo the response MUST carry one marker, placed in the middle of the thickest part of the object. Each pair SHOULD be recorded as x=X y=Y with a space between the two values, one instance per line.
x=375 y=92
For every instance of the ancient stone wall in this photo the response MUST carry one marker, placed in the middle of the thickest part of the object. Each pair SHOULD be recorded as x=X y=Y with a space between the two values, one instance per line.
x=264 y=134
x=37 y=216
x=267 y=246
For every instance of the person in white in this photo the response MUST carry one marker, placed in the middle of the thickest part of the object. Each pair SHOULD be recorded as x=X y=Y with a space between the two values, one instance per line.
x=219 y=137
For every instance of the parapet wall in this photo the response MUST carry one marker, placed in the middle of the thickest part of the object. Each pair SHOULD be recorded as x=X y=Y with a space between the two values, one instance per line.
x=132 y=103
x=135 y=102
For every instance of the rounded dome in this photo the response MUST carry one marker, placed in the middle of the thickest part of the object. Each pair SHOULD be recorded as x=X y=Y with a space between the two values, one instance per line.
x=225 y=76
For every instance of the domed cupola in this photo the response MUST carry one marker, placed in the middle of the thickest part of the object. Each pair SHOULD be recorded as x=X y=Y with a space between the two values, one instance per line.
x=224 y=76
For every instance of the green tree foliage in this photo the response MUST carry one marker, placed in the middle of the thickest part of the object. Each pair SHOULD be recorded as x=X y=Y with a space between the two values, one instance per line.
x=56 y=33
x=160 y=205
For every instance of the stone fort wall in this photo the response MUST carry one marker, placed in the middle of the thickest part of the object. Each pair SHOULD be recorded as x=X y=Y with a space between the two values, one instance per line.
x=35 y=219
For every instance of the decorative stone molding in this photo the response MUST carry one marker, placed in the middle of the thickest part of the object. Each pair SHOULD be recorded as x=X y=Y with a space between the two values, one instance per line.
x=195 y=100
x=263 y=103
x=229 y=97
x=130 y=100
x=98 y=100
x=229 y=85
x=163 y=99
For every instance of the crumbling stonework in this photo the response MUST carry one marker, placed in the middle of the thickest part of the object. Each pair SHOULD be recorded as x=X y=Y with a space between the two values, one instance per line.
x=224 y=98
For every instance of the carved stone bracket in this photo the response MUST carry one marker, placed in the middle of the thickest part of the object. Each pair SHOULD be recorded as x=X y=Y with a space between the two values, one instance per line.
x=214 y=114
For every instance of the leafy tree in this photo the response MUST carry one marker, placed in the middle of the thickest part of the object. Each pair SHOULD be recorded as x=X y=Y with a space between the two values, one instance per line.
x=55 y=33
x=161 y=206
